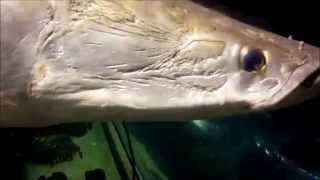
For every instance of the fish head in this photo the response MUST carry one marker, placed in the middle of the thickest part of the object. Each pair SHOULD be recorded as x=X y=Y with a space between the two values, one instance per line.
x=278 y=80
x=154 y=60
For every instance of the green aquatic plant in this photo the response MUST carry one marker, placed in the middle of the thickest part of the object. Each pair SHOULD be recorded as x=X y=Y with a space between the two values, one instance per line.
x=53 y=149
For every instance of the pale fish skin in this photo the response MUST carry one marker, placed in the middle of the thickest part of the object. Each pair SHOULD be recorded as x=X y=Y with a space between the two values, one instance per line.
x=66 y=61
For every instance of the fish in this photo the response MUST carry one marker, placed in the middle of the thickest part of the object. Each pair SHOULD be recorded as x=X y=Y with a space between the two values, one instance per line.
x=149 y=60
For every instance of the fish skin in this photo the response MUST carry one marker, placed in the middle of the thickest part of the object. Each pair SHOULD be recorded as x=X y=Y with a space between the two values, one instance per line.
x=70 y=61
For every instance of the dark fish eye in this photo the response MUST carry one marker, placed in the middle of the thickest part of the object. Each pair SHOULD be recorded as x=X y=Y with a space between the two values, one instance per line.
x=254 y=61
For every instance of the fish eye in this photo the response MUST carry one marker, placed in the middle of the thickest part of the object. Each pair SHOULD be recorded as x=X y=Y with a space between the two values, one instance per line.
x=253 y=60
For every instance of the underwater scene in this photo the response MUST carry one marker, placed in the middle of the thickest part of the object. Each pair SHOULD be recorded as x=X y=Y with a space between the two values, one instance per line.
x=283 y=144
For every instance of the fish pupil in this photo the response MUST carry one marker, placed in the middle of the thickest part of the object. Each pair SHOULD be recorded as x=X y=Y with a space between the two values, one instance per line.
x=254 y=61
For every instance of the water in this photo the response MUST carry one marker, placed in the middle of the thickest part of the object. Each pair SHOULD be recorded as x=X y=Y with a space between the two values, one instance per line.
x=282 y=145
x=73 y=150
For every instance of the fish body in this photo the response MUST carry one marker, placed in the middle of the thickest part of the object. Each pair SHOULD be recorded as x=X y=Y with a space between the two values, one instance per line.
x=74 y=60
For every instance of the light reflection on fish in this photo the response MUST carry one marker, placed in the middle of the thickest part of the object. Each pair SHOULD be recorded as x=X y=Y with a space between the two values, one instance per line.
x=74 y=60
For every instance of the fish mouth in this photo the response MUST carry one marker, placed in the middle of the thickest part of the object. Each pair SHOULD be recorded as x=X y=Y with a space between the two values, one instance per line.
x=302 y=84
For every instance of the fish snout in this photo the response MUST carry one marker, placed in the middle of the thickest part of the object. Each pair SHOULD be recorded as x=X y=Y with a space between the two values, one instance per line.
x=303 y=83
x=310 y=86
